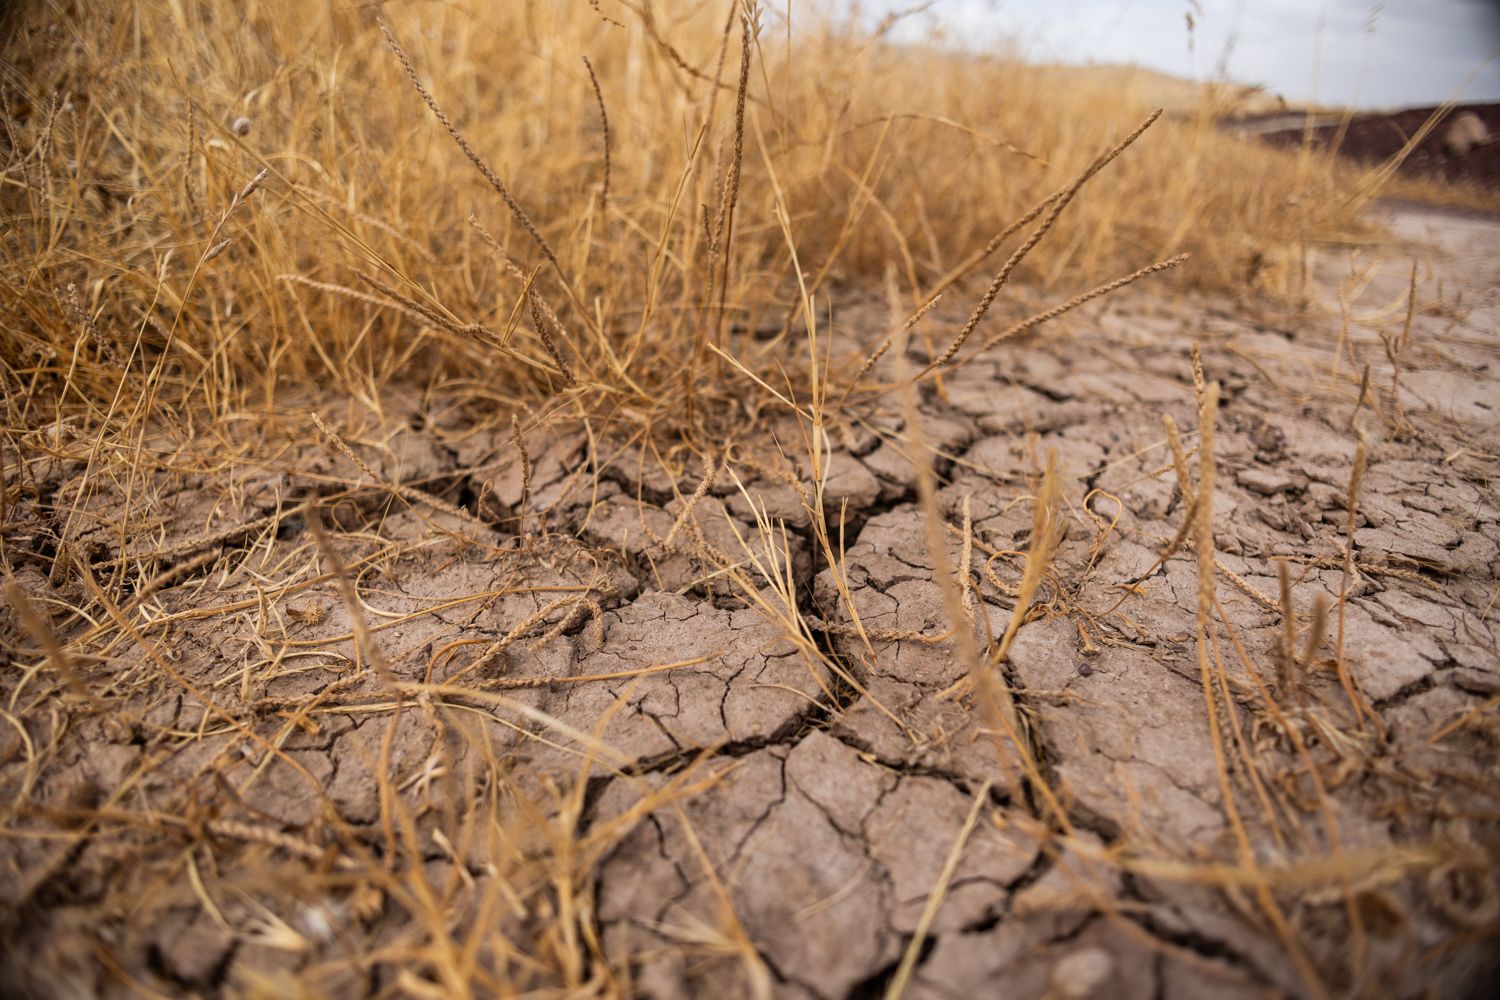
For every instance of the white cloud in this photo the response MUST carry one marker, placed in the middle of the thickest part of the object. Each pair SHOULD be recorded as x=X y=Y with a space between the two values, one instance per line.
x=1419 y=52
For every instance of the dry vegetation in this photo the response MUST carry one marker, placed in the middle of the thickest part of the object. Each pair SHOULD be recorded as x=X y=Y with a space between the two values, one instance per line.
x=376 y=381
x=125 y=157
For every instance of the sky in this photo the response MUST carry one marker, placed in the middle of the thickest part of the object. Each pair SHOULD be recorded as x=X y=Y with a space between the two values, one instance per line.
x=1358 y=53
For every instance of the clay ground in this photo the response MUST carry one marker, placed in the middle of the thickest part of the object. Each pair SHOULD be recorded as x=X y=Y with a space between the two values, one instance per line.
x=613 y=749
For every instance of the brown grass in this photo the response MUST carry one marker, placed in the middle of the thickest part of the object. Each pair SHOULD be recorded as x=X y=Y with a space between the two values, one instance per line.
x=356 y=182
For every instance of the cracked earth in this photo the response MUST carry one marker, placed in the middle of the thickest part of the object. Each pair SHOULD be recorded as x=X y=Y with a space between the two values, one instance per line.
x=615 y=726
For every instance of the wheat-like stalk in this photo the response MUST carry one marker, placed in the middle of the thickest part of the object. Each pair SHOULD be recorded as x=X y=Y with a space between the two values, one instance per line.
x=1049 y=219
x=539 y=323
x=520 y=442
x=469 y=151
x=604 y=125
x=1032 y=322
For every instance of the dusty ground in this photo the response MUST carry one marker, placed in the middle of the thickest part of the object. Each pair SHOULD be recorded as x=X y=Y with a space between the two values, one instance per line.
x=596 y=743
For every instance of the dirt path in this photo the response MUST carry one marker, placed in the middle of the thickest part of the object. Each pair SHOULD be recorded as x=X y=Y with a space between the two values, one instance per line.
x=787 y=767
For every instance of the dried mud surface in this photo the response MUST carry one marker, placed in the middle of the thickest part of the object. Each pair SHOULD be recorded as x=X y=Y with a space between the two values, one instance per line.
x=262 y=798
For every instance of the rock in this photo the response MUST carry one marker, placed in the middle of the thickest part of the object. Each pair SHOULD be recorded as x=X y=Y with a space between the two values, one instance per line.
x=1269 y=482
x=1083 y=973
x=1464 y=134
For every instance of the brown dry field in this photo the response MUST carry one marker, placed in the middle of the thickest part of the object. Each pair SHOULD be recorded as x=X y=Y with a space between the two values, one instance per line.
x=669 y=580
x=219 y=830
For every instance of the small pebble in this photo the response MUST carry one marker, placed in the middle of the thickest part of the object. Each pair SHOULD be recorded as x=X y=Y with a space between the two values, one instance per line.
x=1269 y=482
x=1083 y=973
x=1085 y=670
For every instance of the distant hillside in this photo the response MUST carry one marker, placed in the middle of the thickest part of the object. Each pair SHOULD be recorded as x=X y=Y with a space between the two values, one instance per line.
x=1373 y=137
x=1174 y=93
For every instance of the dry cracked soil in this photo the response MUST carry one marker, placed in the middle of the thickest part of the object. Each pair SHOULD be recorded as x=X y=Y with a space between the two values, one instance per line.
x=666 y=746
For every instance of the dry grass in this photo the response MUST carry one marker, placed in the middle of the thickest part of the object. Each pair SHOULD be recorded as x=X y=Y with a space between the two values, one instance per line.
x=231 y=226
x=122 y=142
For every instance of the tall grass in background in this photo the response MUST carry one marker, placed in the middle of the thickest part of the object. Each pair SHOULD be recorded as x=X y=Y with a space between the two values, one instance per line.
x=373 y=250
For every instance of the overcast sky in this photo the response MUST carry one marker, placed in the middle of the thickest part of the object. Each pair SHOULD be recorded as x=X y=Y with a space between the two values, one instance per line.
x=1400 y=52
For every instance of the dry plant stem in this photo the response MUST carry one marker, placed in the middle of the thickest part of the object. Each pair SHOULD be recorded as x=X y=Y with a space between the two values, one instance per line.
x=1179 y=459
x=1200 y=385
x=474 y=157
x=170 y=575
x=518 y=631
x=724 y=225
x=520 y=443
x=192 y=545
x=1245 y=587
x=1346 y=679
x=530 y=293
x=190 y=189
x=1364 y=395
x=210 y=707
x=406 y=239
x=710 y=473
x=603 y=16
x=1286 y=659
x=935 y=899
x=604 y=126
x=5 y=492
x=849 y=225
x=1382 y=173
x=88 y=327
x=1325 y=808
x=363 y=643
x=427 y=312
x=995 y=702
x=145 y=404
x=648 y=22
x=1395 y=347
x=965 y=564
x=235 y=830
x=42 y=633
x=1247 y=766
x=1044 y=536
x=1316 y=633
x=539 y=323
x=959 y=272
x=350 y=293
x=412 y=306
x=1189 y=518
x=1205 y=549
x=1026 y=247
x=759 y=976
x=1078 y=300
